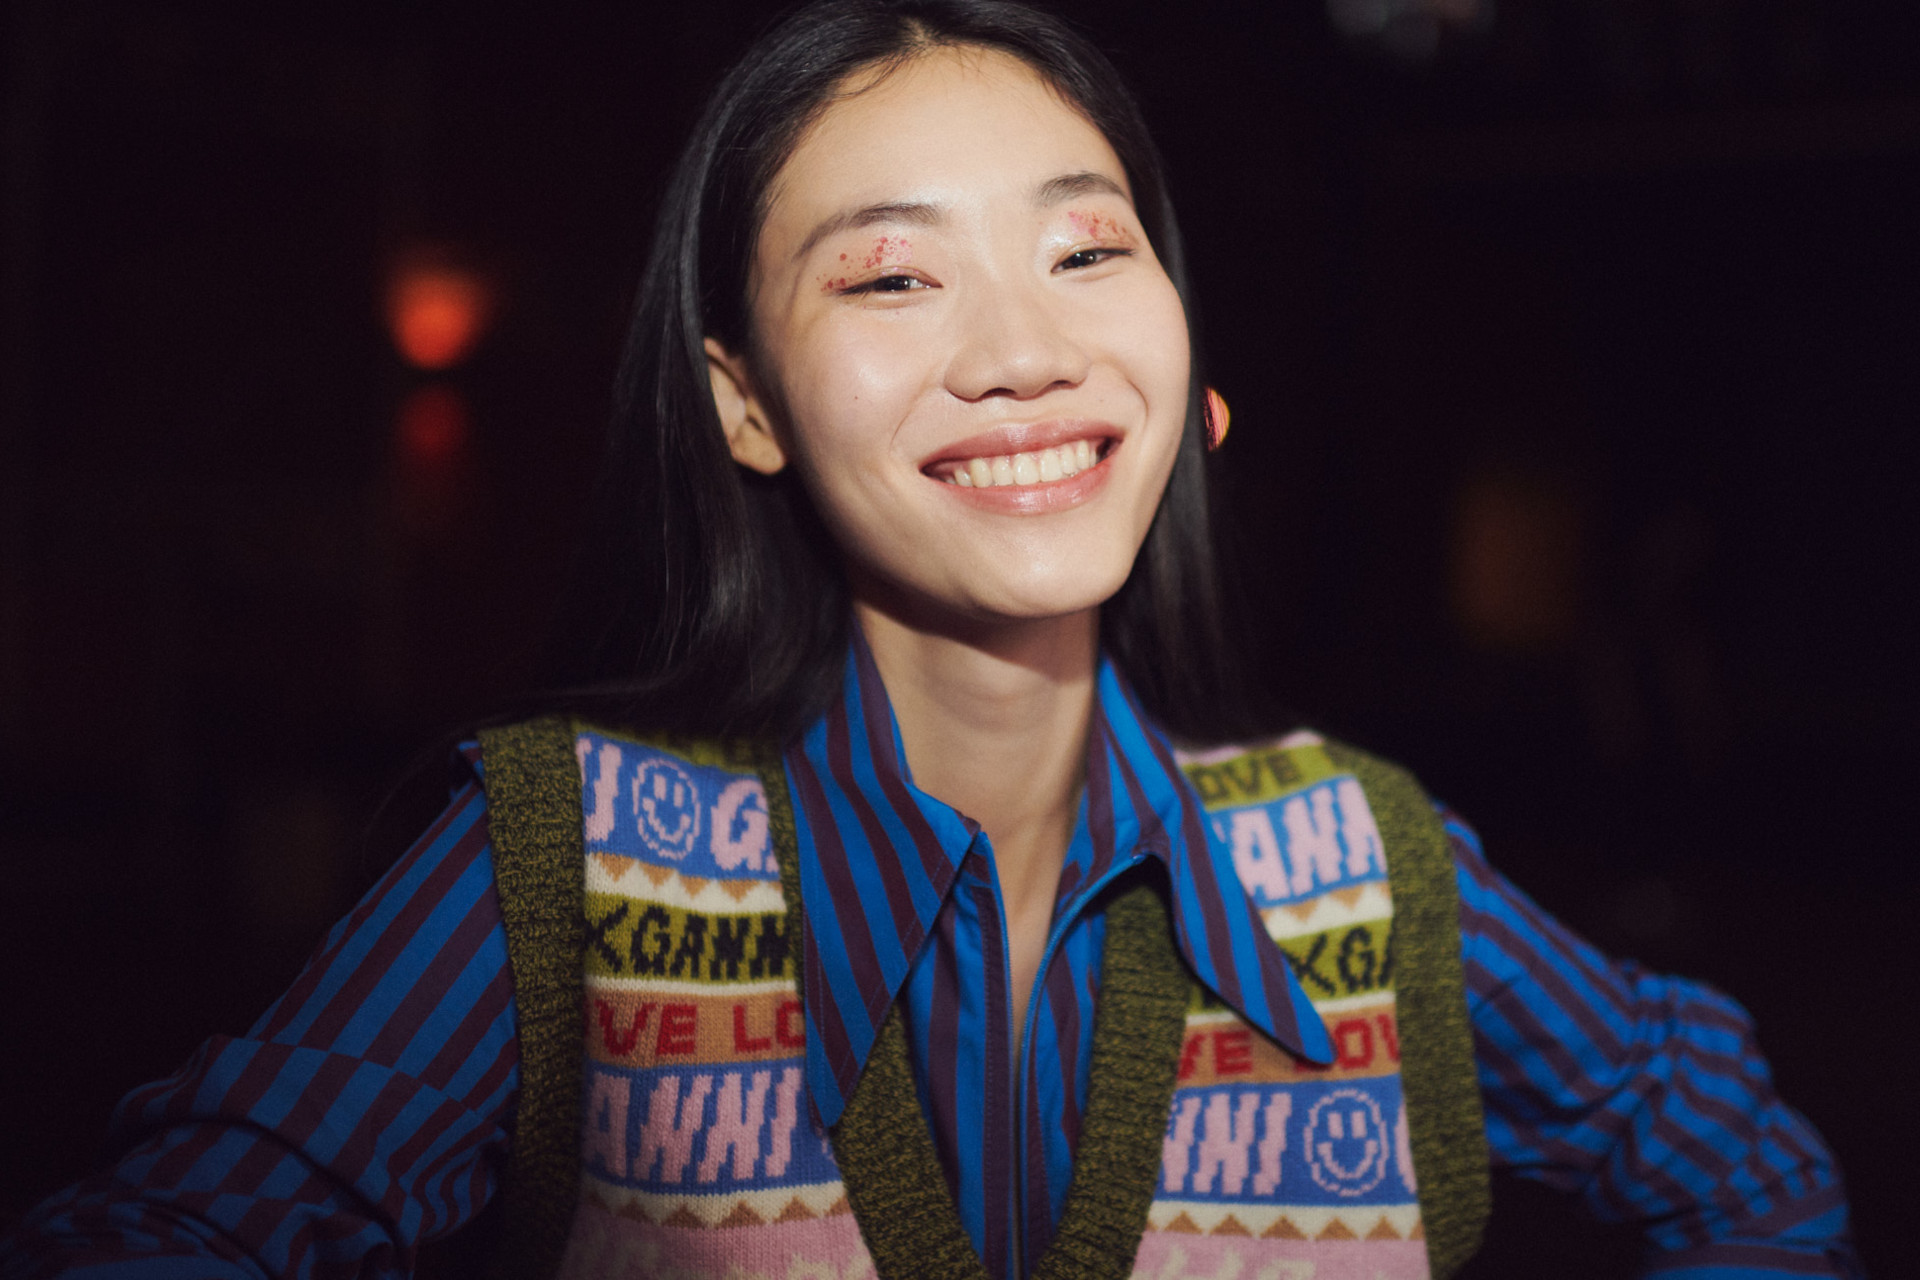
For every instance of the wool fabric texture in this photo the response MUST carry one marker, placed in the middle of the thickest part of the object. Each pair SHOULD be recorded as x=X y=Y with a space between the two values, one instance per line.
x=893 y=1188
x=1443 y=1099
x=534 y=816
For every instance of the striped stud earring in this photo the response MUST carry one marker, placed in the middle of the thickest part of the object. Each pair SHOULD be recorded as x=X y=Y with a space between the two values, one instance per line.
x=1218 y=417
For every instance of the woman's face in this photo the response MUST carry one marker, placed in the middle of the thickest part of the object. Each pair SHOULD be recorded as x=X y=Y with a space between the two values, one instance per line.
x=966 y=344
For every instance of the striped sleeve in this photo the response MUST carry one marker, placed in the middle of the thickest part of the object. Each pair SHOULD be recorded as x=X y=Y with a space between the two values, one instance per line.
x=359 y=1117
x=1645 y=1095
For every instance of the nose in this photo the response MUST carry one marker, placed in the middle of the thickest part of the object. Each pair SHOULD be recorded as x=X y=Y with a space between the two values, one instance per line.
x=1012 y=343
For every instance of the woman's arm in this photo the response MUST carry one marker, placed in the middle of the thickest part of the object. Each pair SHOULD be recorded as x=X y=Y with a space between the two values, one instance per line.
x=1644 y=1094
x=360 y=1116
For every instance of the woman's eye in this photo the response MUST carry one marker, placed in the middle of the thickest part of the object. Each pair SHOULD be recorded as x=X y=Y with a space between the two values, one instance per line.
x=890 y=284
x=1088 y=258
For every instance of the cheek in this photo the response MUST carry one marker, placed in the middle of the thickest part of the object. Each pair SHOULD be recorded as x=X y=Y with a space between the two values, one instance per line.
x=851 y=388
x=1152 y=334
x=1150 y=343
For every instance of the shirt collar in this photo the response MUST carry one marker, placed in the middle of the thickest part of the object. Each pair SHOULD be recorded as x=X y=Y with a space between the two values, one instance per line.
x=878 y=857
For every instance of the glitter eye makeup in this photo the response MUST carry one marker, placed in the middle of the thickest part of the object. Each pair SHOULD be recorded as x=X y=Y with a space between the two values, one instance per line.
x=885 y=251
x=897 y=248
x=1098 y=226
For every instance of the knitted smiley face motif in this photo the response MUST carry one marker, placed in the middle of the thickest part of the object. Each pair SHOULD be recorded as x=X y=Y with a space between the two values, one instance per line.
x=667 y=805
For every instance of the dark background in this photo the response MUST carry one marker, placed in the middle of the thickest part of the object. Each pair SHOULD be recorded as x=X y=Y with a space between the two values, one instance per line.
x=1569 y=343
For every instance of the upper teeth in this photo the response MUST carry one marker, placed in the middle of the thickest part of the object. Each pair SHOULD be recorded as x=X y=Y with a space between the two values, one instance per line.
x=1037 y=467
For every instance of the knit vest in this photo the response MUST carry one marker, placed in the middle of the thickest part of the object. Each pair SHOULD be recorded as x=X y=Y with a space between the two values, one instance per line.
x=651 y=897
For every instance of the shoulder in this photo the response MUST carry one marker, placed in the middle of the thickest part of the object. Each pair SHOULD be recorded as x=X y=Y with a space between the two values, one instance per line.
x=1316 y=771
x=1304 y=814
x=592 y=750
x=696 y=806
x=1262 y=769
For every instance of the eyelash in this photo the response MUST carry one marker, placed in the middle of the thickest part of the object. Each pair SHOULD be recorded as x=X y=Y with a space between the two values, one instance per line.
x=878 y=284
x=874 y=285
x=1098 y=255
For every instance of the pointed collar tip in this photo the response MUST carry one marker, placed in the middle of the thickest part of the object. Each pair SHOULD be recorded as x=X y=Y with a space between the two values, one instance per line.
x=1316 y=1045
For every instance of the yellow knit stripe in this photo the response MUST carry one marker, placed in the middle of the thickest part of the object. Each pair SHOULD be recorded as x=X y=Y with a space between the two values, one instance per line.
x=1332 y=964
x=1262 y=774
x=633 y=938
x=1356 y=959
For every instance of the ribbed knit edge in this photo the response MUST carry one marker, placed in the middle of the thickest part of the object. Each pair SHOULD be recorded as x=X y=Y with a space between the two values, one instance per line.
x=892 y=1173
x=1437 y=1074
x=1139 y=1027
x=535 y=823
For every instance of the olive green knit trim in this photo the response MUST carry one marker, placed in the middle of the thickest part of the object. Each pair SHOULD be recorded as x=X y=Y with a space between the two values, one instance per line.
x=534 y=822
x=1139 y=1027
x=892 y=1173
x=1437 y=1075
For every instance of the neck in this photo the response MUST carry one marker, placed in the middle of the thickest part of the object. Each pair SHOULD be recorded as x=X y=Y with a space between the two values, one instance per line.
x=994 y=721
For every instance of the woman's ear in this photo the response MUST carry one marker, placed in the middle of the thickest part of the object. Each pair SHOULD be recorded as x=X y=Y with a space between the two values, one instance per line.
x=743 y=416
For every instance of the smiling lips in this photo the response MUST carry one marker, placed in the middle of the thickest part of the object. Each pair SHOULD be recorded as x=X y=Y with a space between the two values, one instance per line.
x=1037 y=466
x=1043 y=457
x=1028 y=471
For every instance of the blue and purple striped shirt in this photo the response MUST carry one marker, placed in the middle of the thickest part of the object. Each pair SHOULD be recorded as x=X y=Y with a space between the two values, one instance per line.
x=1006 y=1130
x=365 y=1112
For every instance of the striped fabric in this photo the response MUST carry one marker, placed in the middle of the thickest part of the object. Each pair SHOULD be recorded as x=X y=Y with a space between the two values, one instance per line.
x=1644 y=1094
x=1006 y=1130
x=364 y=1112
x=352 y=1121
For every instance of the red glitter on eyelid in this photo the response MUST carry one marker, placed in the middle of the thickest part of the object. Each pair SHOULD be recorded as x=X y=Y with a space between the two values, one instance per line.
x=889 y=249
x=886 y=251
x=1097 y=226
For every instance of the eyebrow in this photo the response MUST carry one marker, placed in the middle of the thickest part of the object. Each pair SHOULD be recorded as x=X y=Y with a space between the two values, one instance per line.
x=920 y=214
x=1070 y=185
x=916 y=214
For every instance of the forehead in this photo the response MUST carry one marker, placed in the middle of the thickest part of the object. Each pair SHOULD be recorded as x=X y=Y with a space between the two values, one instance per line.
x=957 y=126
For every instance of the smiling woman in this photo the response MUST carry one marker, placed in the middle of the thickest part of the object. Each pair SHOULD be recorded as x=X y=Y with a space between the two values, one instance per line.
x=951 y=280
x=902 y=883
x=850 y=227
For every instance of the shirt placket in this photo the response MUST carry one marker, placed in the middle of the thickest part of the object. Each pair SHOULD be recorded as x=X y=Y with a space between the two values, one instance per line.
x=1066 y=916
x=983 y=933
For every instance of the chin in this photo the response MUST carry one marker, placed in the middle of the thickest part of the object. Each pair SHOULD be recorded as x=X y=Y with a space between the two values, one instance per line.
x=999 y=584
x=1058 y=593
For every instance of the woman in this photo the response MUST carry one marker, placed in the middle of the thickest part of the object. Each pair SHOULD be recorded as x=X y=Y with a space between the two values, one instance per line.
x=904 y=937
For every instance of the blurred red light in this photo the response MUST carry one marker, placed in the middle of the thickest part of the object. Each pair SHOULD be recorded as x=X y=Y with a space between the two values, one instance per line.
x=433 y=425
x=437 y=314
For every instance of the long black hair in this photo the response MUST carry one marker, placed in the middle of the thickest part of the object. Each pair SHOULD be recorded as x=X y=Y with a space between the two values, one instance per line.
x=709 y=599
